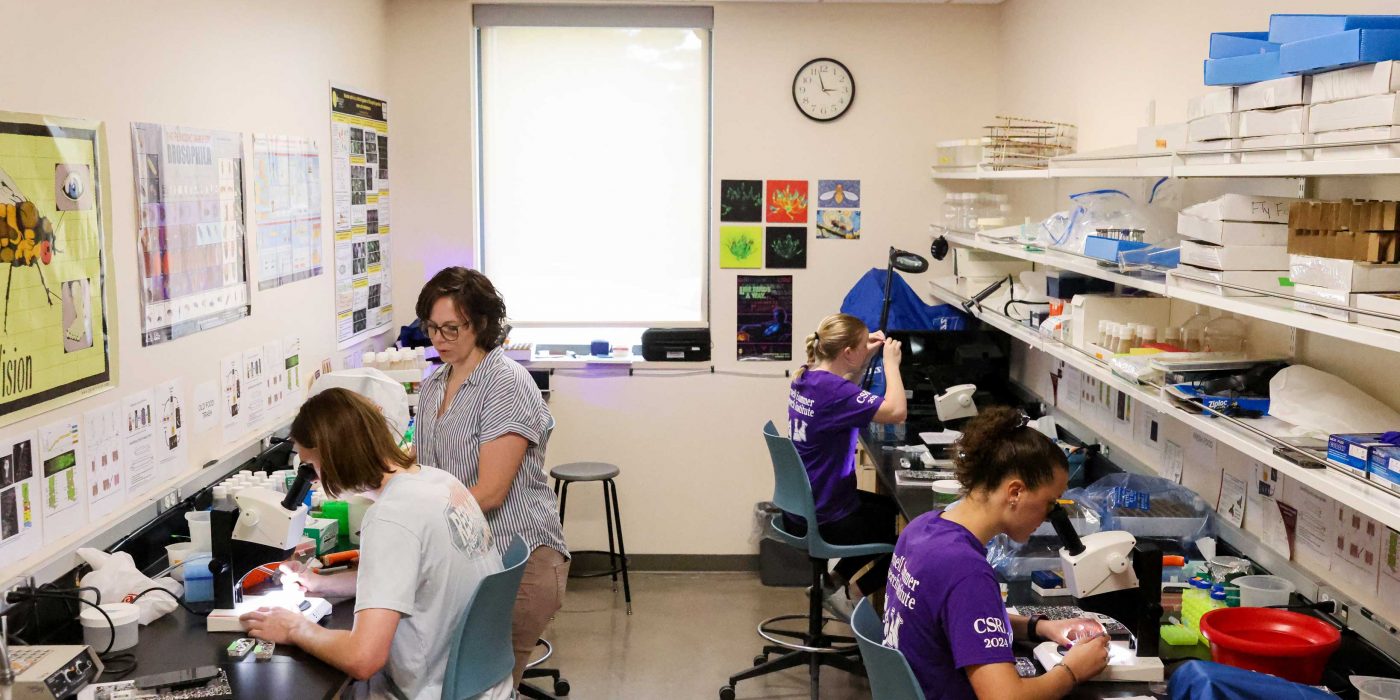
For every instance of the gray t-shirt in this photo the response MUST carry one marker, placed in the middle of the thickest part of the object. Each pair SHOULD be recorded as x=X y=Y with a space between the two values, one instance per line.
x=424 y=549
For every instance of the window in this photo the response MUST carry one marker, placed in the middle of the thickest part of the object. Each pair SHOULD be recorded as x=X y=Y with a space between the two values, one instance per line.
x=594 y=136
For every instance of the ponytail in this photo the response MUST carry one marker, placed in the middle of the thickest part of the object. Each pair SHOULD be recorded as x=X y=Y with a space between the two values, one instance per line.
x=835 y=333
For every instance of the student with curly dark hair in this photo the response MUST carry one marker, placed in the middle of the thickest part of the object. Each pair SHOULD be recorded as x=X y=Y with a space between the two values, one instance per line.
x=481 y=418
x=943 y=606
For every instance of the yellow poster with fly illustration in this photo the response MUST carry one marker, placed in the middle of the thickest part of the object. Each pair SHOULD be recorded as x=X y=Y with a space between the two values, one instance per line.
x=55 y=311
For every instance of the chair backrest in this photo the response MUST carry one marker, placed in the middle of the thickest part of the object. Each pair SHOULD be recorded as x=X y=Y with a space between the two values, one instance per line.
x=889 y=672
x=482 y=654
x=792 y=490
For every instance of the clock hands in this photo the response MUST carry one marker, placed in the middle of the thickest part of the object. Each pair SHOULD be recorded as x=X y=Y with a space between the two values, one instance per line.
x=822 y=80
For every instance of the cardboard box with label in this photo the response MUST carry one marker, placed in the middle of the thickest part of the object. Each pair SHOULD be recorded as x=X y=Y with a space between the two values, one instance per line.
x=1234 y=257
x=1371 y=152
x=324 y=532
x=1384 y=303
x=1215 y=101
x=1353 y=451
x=1162 y=138
x=1254 y=282
x=1273 y=122
x=1243 y=207
x=1086 y=310
x=1358 y=81
x=1231 y=233
x=1385 y=466
x=1215 y=127
x=1376 y=110
x=1270 y=94
x=1349 y=276
x=1306 y=295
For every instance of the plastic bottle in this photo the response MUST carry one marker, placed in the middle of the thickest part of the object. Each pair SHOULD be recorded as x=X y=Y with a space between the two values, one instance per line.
x=421 y=358
x=1147 y=335
x=367 y=360
x=1173 y=337
x=1103 y=333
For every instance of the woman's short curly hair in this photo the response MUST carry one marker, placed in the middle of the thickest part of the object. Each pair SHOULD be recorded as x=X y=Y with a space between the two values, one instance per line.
x=476 y=300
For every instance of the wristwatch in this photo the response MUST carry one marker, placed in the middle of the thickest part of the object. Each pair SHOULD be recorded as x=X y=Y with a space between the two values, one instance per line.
x=1031 y=624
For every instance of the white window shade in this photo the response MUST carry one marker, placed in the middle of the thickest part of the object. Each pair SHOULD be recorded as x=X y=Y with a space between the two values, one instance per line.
x=594 y=173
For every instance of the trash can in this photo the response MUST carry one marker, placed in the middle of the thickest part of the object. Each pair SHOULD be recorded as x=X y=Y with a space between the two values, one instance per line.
x=778 y=564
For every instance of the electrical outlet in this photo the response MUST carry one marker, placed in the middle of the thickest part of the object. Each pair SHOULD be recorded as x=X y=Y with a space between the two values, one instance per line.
x=10 y=586
x=168 y=501
x=1324 y=595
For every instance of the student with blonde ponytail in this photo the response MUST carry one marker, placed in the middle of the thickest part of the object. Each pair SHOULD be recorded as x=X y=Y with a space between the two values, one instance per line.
x=825 y=410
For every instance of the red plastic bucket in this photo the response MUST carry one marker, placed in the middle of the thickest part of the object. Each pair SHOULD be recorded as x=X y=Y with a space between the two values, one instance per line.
x=1286 y=644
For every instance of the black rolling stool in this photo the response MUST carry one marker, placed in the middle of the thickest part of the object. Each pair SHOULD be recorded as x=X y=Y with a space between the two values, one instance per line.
x=534 y=669
x=566 y=474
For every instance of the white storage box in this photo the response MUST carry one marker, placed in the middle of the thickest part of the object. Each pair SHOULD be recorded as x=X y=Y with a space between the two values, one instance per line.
x=1086 y=310
x=958 y=153
x=1273 y=122
x=1214 y=127
x=1220 y=100
x=1359 y=81
x=1375 y=152
x=1243 y=207
x=1163 y=138
x=1288 y=156
x=1262 y=280
x=1231 y=232
x=1385 y=303
x=1376 y=110
x=981 y=263
x=1344 y=275
x=1212 y=158
x=1268 y=94
x=1307 y=293
x=1234 y=257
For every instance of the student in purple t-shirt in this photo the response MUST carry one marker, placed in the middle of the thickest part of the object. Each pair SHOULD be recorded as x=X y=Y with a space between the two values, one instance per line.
x=943 y=606
x=825 y=411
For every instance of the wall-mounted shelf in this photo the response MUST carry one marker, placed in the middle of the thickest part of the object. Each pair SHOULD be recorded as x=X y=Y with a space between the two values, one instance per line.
x=1243 y=435
x=1271 y=309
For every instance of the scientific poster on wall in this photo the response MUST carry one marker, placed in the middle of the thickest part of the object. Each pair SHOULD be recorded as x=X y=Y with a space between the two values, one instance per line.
x=189 y=245
x=360 y=178
x=54 y=249
x=232 y=415
x=255 y=373
x=287 y=200
x=102 y=450
x=168 y=401
x=63 y=497
x=765 y=317
x=143 y=471
x=20 y=533
x=291 y=366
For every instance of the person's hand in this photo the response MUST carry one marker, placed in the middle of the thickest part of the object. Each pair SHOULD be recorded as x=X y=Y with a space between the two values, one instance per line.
x=1088 y=658
x=276 y=625
x=296 y=574
x=874 y=341
x=892 y=352
x=1066 y=631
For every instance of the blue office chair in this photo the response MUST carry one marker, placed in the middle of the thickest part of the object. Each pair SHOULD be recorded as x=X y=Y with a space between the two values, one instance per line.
x=890 y=675
x=814 y=648
x=482 y=654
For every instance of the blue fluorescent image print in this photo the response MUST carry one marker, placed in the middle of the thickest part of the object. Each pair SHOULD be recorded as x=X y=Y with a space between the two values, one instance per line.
x=73 y=187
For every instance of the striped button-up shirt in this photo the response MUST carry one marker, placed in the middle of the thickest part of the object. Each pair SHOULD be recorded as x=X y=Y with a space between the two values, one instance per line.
x=497 y=399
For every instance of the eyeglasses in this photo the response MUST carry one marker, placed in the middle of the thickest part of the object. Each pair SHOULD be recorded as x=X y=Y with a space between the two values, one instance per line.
x=448 y=331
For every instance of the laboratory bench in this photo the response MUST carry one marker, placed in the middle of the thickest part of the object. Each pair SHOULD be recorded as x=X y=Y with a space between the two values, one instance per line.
x=880 y=445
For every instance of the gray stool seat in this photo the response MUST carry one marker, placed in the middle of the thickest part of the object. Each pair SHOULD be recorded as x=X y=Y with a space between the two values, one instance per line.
x=585 y=471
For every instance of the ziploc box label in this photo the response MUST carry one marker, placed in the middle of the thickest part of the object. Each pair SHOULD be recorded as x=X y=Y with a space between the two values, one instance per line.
x=324 y=532
x=1353 y=450
x=1385 y=466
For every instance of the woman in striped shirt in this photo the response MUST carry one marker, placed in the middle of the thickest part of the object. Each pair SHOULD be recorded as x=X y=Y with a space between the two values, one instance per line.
x=482 y=419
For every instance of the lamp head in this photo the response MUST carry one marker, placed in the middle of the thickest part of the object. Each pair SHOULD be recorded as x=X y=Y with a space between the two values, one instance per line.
x=905 y=261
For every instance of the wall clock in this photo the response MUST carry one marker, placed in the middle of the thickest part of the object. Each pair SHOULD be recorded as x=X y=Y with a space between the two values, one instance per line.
x=823 y=89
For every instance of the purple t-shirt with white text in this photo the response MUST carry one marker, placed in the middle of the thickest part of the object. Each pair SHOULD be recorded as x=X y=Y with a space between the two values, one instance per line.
x=825 y=411
x=943 y=607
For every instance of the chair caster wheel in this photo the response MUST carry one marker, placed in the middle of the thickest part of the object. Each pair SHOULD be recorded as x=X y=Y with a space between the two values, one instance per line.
x=561 y=687
x=760 y=659
x=726 y=693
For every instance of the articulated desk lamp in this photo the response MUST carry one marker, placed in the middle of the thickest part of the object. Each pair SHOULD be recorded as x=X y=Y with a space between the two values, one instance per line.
x=904 y=261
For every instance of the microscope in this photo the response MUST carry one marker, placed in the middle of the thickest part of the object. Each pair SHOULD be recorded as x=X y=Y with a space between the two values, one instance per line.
x=260 y=532
x=1118 y=578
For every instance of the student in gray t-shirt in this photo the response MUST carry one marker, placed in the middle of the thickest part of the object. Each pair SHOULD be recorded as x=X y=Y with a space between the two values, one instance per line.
x=424 y=549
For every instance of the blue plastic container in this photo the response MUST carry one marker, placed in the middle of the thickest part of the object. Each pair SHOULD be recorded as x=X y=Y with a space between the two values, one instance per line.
x=1340 y=50
x=1231 y=44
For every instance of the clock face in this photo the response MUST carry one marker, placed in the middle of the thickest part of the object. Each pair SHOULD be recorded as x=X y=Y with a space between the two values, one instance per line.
x=823 y=89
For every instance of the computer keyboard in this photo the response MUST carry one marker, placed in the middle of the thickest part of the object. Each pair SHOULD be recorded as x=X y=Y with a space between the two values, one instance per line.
x=902 y=475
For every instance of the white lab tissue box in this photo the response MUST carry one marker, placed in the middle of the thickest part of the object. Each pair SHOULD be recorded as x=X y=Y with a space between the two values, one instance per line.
x=1214 y=127
x=1384 y=303
x=1219 y=232
x=1234 y=257
x=1162 y=138
x=1291 y=155
x=1348 y=276
x=1243 y=207
x=1268 y=94
x=1373 y=152
x=1256 y=282
x=1361 y=112
x=1359 y=81
x=1219 y=100
x=1273 y=122
x=1212 y=158
x=1306 y=294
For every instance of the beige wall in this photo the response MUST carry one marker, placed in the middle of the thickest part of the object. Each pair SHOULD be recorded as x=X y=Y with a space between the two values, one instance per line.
x=253 y=66
x=693 y=462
